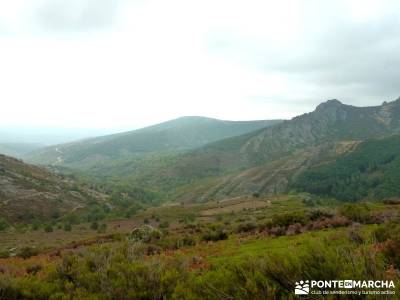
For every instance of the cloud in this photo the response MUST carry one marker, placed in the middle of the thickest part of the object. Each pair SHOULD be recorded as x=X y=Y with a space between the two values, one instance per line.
x=60 y=16
x=76 y=15
x=329 y=50
x=126 y=63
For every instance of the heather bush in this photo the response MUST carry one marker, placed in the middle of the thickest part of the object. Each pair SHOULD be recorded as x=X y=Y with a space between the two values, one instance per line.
x=26 y=252
x=360 y=213
x=214 y=236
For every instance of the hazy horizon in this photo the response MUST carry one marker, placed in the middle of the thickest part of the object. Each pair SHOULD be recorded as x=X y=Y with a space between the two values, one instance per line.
x=47 y=136
x=117 y=65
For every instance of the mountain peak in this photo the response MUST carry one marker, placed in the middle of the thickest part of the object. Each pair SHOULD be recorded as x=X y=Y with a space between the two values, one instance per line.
x=330 y=103
x=391 y=103
x=192 y=117
x=330 y=107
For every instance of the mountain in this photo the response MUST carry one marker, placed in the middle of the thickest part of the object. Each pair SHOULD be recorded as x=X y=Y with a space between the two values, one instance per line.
x=243 y=164
x=177 y=135
x=331 y=121
x=266 y=160
x=29 y=193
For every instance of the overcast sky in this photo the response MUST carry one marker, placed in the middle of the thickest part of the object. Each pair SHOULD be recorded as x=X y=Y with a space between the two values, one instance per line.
x=124 y=64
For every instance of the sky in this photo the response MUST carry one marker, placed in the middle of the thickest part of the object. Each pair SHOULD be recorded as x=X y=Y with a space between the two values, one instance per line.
x=124 y=64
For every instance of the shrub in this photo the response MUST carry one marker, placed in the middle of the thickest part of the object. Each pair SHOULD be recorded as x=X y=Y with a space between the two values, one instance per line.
x=94 y=225
x=33 y=269
x=102 y=228
x=388 y=236
x=293 y=229
x=27 y=252
x=153 y=249
x=215 y=235
x=289 y=218
x=360 y=213
x=4 y=254
x=277 y=231
x=48 y=228
x=164 y=224
x=67 y=227
x=35 y=226
x=188 y=240
x=354 y=235
x=3 y=224
x=96 y=214
x=392 y=201
x=246 y=227
x=316 y=214
x=335 y=221
x=176 y=242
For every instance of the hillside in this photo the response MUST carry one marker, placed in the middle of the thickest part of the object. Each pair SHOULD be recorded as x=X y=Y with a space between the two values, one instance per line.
x=273 y=177
x=29 y=193
x=176 y=135
x=372 y=171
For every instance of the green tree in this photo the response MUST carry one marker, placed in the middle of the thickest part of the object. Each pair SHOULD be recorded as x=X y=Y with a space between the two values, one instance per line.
x=3 y=224
x=94 y=225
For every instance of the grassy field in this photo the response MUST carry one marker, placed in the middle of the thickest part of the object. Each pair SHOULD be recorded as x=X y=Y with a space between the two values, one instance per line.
x=177 y=216
x=204 y=251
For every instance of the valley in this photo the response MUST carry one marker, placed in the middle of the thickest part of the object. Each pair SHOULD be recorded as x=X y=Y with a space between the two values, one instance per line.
x=262 y=161
x=228 y=213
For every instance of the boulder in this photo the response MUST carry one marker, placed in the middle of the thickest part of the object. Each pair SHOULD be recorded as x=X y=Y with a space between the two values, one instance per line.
x=144 y=233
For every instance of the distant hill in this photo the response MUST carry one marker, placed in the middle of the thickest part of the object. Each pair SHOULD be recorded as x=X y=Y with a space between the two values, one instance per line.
x=18 y=149
x=46 y=136
x=177 y=135
x=29 y=193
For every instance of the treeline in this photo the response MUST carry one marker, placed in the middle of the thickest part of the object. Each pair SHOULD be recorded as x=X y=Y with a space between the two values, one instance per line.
x=370 y=171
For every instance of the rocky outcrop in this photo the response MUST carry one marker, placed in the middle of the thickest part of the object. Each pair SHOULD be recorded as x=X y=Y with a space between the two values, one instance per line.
x=145 y=234
x=331 y=121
